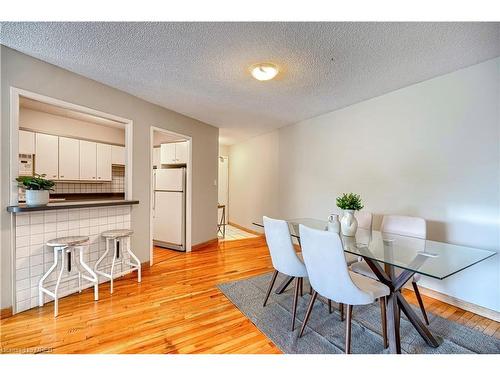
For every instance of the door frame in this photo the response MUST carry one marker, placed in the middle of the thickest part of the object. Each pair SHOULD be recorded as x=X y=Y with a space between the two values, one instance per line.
x=189 y=187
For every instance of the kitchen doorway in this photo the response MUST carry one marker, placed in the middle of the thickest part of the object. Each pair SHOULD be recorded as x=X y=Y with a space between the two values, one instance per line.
x=223 y=190
x=227 y=231
x=171 y=186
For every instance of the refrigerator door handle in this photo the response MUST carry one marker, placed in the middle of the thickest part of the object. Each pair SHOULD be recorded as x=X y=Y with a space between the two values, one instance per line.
x=154 y=203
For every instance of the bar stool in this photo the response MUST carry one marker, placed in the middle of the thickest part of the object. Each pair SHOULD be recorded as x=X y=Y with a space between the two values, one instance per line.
x=118 y=236
x=65 y=246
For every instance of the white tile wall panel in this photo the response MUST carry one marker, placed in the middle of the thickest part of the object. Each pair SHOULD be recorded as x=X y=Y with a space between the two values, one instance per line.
x=34 y=258
x=117 y=184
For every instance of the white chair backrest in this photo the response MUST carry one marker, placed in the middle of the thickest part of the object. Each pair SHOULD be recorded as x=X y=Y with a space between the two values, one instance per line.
x=327 y=268
x=283 y=255
x=364 y=219
x=404 y=226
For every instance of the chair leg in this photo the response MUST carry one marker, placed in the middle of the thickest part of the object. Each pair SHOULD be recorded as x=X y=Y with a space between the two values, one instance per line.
x=308 y=312
x=341 y=310
x=115 y=251
x=420 y=302
x=348 y=330
x=271 y=284
x=93 y=276
x=49 y=271
x=383 y=315
x=58 y=282
x=329 y=306
x=295 y=299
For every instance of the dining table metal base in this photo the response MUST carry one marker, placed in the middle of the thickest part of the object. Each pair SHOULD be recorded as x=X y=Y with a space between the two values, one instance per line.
x=397 y=303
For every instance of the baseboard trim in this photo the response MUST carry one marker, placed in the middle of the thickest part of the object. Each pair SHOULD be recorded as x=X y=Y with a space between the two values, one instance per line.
x=204 y=244
x=245 y=229
x=479 y=310
x=6 y=313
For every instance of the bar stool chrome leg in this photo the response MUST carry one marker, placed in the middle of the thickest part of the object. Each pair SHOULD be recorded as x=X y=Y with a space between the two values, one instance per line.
x=96 y=265
x=137 y=264
x=115 y=251
x=93 y=279
x=58 y=282
x=49 y=271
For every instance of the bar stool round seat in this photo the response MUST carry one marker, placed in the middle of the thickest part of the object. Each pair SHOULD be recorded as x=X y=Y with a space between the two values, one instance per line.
x=64 y=248
x=118 y=243
x=116 y=233
x=67 y=241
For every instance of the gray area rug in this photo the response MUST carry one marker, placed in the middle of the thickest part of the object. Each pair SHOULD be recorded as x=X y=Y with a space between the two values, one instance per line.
x=325 y=333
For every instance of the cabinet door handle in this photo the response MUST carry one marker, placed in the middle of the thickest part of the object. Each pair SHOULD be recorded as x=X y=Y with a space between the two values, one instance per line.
x=61 y=176
x=99 y=178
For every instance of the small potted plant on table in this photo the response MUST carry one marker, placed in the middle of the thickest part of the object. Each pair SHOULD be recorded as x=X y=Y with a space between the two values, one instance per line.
x=349 y=203
x=37 y=189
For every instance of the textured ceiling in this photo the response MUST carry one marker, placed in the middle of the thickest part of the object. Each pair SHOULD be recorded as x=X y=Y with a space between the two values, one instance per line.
x=201 y=69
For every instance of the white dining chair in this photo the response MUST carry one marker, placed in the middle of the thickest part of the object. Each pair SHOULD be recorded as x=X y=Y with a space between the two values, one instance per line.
x=330 y=277
x=365 y=219
x=284 y=258
x=403 y=226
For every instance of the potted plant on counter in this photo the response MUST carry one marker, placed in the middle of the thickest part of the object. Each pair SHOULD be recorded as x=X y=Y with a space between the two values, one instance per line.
x=37 y=189
x=349 y=203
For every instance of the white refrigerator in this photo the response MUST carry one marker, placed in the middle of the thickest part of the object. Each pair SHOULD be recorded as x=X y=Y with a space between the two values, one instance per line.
x=169 y=208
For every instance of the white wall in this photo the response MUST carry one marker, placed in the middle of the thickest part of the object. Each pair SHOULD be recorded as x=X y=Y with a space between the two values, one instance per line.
x=37 y=121
x=253 y=180
x=430 y=150
x=22 y=71
x=223 y=150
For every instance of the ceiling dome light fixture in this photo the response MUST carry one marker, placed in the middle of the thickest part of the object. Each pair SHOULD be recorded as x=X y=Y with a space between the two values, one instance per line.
x=264 y=71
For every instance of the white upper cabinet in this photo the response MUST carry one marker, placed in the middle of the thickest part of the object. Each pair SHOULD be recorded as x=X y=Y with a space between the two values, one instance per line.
x=118 y=155
x=181 y=152
x=26 y=142
x=167 y=153
x=103 y=162
x=174 y=153
x=88 y=160
x=156 y=157
x=47 y=155
x=69 y=159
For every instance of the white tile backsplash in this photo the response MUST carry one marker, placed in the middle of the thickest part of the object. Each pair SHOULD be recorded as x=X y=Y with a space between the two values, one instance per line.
x=116 y=185
x=34 y=258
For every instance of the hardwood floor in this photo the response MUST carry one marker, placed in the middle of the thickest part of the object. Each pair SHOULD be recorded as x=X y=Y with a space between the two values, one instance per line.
x=176 y=309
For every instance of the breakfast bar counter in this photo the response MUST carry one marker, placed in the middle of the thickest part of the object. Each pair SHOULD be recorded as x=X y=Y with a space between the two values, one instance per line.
x=71 y=205
x=34 y=226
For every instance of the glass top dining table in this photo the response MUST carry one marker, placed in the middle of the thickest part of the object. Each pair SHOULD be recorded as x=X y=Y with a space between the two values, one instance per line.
x=438 y=260
x=411 y=255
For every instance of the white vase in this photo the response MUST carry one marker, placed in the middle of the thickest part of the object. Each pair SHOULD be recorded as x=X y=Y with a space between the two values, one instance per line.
x=37 y=197
x=333 y=223
x=348 y=223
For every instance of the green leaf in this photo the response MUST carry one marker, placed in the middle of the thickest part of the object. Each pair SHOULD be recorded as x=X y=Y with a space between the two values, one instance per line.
x=349 y=201
x=36 y=182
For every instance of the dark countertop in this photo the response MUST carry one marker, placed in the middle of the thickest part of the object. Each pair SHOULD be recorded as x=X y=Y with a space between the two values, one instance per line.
x=71 y=204
x=87 y=196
